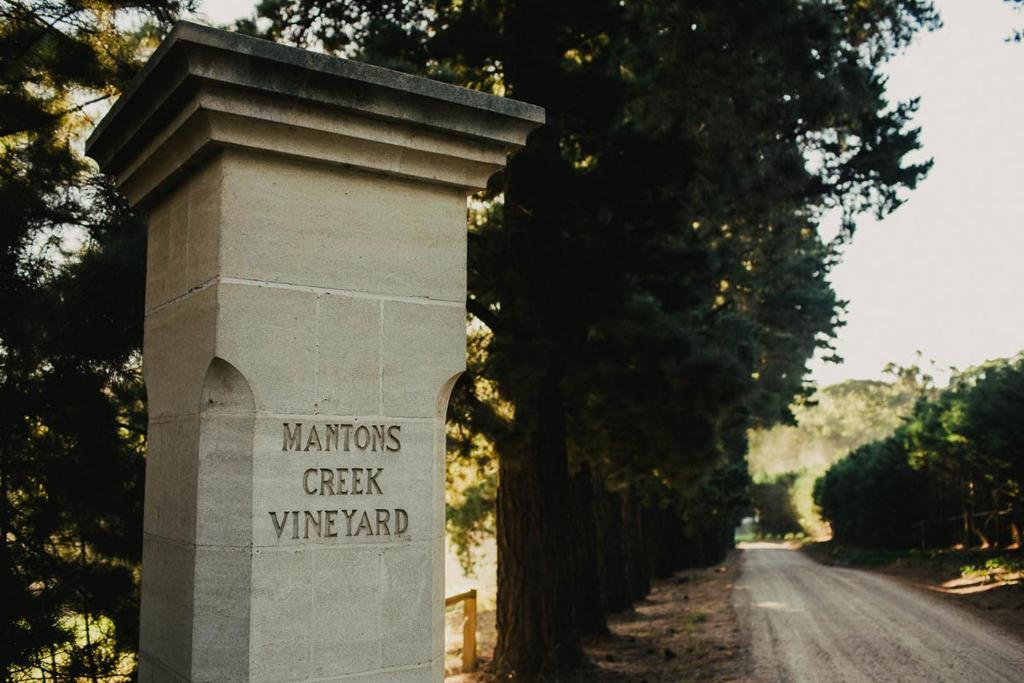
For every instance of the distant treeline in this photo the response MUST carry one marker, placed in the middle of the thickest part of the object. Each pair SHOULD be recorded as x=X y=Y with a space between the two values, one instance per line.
x=951 y=474
x=786 y=459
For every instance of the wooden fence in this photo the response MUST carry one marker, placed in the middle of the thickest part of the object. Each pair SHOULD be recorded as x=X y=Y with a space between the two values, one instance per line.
x=468 y=627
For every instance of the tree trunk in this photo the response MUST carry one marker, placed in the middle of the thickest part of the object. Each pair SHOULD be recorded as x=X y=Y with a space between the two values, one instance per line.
x=654 y=530
x=636 y=552
x=713 y=545
x=611 y=556
x=8 y=577
x=583 y=542
x=537 y=628
x=675 y=539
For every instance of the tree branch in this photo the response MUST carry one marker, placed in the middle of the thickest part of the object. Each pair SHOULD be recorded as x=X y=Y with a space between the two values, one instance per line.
x=483 y=314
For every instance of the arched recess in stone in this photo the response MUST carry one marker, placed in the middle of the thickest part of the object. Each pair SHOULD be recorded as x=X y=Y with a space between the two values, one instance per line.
x=441 y=435
x=225 y=390
x=445 y=394
x=441 y=445
x=227 y=416
x=440 y=470
x=484 y=578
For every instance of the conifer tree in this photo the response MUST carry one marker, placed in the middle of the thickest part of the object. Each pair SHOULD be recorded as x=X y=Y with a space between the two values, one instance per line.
x=71 y=408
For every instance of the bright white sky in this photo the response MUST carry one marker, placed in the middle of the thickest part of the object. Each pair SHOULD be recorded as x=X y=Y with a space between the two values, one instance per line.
x=943 y=275
x=225 y=11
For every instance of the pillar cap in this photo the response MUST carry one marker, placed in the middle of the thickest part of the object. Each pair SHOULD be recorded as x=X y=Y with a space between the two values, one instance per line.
x=202 y=81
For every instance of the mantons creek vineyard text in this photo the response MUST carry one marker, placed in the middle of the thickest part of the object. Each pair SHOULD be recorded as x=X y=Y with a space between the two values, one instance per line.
x=341 y=481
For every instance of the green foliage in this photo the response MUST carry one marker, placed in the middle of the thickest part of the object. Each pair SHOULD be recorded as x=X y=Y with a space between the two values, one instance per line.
x=773 y=504
x=951 y=474
x=836 y=420
x=836 y=554
x=719 y=499
x=472 y=520
x=833 y=422
x=870 y=497
x=1001 y=564
x=646 y=277
x=470 y=493
x=938 y=564
x=637 y=294
x=387 y=32
x=648 y=270
x=71 y=400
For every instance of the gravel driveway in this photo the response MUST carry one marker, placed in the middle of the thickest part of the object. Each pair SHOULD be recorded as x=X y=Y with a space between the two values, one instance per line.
x=810 y=622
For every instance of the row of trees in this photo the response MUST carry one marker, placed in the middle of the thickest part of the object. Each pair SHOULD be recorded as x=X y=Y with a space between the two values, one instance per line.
x=952 y=474
x=647 y=282
x=647 y=276
x=787 y=459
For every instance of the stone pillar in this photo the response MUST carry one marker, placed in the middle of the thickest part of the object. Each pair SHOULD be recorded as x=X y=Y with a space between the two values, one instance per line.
x=305 y=322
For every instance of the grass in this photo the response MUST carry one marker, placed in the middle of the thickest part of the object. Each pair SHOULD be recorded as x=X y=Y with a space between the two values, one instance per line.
x=694 y=621
x=945 y=562
x=831 y=553
x=994 y=565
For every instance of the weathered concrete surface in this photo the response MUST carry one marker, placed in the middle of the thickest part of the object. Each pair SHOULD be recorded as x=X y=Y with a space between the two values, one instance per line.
x=205 y=89
x=809 y=622
x=305 y=323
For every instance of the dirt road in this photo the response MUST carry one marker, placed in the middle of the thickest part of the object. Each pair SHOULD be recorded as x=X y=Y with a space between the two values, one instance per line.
x=810 y=622
x=683 y=632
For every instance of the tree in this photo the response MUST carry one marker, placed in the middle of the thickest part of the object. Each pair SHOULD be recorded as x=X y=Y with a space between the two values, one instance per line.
x=648 y=268
x=951 y=474
x=776 y=515
x=71 y=411
x=833 y=422
x=993 y=425
x=871 y=497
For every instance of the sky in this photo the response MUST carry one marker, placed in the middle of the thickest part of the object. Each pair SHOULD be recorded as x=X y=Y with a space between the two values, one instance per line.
x=225 y=11
x=943 y=275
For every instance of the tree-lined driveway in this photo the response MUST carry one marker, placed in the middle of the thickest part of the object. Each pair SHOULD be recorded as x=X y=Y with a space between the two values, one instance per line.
x=810 y=622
